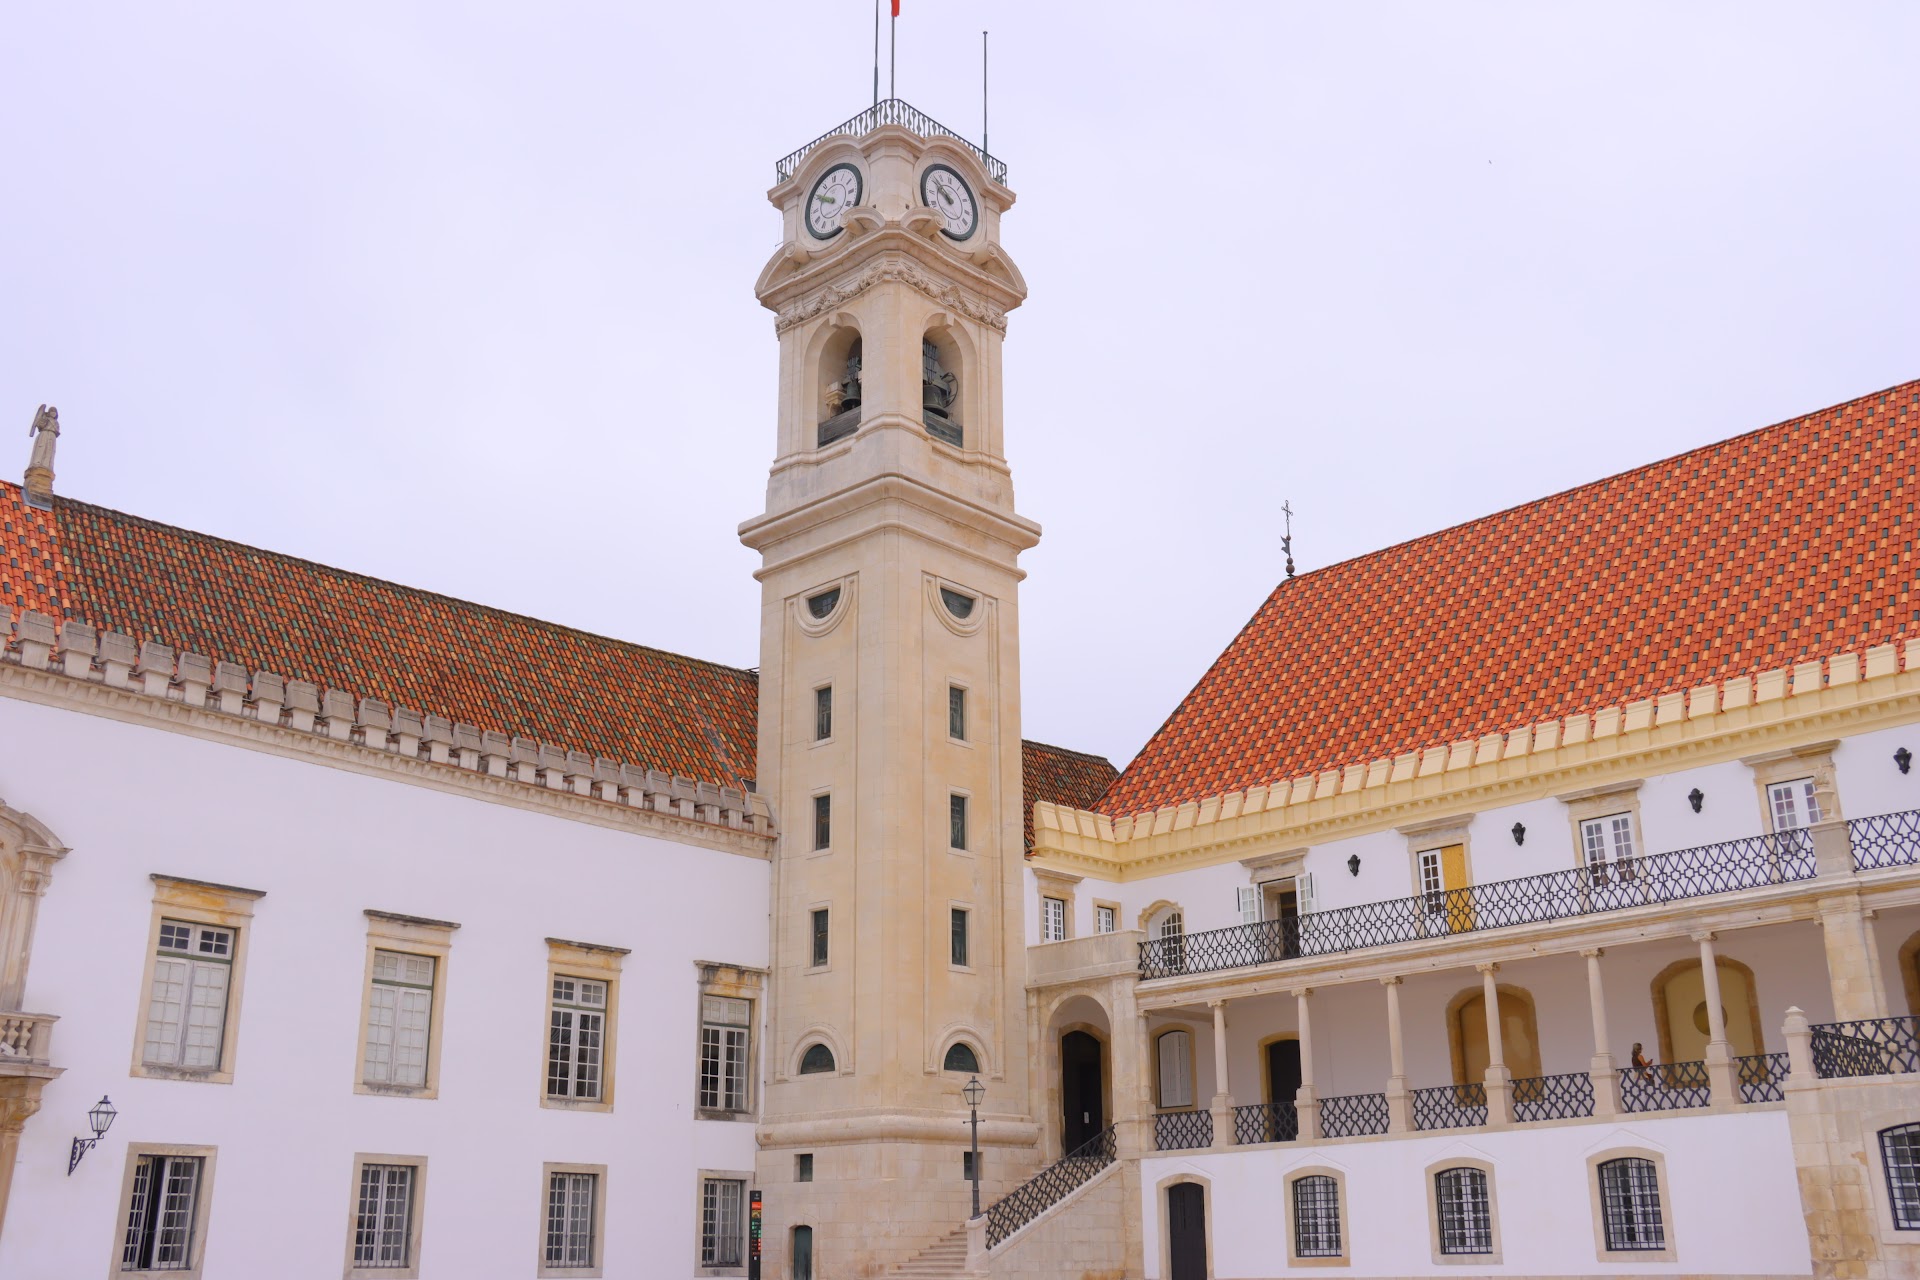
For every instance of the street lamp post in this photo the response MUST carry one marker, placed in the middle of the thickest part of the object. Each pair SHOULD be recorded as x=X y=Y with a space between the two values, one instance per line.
x=974 y=1092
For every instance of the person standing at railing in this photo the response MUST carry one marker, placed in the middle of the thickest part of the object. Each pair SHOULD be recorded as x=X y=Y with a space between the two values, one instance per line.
x=1641 y=1067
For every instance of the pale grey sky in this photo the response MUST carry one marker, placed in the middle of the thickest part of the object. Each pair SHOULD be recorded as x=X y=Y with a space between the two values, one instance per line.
x=461 y=294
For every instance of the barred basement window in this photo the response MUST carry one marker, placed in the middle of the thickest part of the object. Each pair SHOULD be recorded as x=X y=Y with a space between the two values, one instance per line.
x=187 y=1006
x=822 y=823
x=720 y=1222
x=383 y=1217
x=819 y=937
x=570 y=1220
x=823 y=713
x=576 y=1035
x=1900 y=1153
x=399 y=1014
x=724 y=1032
x=816 y=1061
x=1466 y=1217
x=957 y=821
x=959 y=939
x=956 y=712
x=162 y=1213
x=1316 y=1217
x=1630 y=1205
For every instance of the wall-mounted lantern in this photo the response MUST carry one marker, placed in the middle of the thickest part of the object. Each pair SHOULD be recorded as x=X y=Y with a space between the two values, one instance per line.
x=1519 y=833
x=100 y=1119
x=1353 y=864
x=1903 y=758
x=1696 y=798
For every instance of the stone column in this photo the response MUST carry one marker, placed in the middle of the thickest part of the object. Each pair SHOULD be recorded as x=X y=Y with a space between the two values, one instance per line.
x=1602 y=1071
x=19 y=1099
x=1143 y=1091
x=1132 y=1076
x=1306 y=1102
x=1719 y=1053
x=1850 y=969
x=1876 y=975
x=1499 y=1079
x=1222 y=1097
x=1399 y=1097
x=1799 y=1033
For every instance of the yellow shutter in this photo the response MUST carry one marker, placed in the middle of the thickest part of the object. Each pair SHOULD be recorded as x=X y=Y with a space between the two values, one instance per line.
x=1453 y=874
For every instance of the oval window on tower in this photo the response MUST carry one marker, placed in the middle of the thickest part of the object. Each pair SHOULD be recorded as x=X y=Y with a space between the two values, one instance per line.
x=960 y=606
x=822 y=605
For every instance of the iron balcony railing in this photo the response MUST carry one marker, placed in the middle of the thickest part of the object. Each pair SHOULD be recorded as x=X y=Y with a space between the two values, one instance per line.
x=1670 y=1086
x=1885 y=840
x=1762 y=1077
x=1049 y=1186
x=1266 y=1122
x=1870 y=1047
x=1751 y=863
x=1353 y=1115
x=1182 y=1130
x=889 y=111
x=1450 y=1106
x=1562 y=1097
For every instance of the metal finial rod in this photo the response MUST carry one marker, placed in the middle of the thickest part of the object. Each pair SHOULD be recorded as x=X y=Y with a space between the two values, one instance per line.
x=1286 y=539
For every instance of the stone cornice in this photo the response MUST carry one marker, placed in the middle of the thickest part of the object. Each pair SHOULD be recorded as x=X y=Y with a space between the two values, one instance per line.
x=765 y=533
x=901 y=258
x=1776 y=711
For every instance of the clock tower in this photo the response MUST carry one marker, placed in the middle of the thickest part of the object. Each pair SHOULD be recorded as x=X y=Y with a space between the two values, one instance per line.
x=890 y=700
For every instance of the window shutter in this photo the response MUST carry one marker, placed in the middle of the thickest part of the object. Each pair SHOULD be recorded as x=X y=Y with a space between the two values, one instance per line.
x=206 y=1016
x=1304 y=898
x=166 y=1009
x=1249 y=904
x=1176 y=1076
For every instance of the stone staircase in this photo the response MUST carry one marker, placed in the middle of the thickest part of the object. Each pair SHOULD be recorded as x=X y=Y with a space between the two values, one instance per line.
x=946 y=1259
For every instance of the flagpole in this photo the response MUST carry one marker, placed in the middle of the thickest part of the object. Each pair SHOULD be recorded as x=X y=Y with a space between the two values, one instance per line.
x=876 y=52
x=893 y=51
x=983 y=92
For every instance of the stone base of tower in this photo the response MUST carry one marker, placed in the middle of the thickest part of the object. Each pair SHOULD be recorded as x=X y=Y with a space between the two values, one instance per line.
x=873 y=1205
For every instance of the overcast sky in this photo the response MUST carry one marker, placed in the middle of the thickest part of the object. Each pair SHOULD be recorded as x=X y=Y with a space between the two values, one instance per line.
x=460 y=295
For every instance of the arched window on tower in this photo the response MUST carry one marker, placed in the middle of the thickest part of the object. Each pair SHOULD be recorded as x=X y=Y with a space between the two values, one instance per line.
x=961 y=1057
x=940 y=387
x=817 y=1060
x=840 y=376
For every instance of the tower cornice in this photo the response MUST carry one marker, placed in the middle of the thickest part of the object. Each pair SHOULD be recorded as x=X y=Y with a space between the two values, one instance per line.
x=797 y=286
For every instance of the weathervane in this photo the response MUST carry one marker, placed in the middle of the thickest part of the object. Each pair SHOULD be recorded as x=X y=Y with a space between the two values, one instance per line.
x=1286 y=540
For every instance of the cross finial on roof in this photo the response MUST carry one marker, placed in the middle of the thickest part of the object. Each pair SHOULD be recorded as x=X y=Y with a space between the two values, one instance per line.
x=1286 y=540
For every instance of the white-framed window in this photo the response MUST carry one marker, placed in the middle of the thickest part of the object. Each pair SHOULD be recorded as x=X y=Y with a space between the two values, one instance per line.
x=166 y=1191
x=1433 y=886
x=725 y=1036
x=187 y=1005
x=1105 y=919
x=1175 y=1050
x=722 y=1222
x=1169 y=930
x=1607 y=843
x=399 y=1018
x=572 y=1220
x=576 y=1037
x=1794 y=804
x=383 y=1217
x=1053 y=920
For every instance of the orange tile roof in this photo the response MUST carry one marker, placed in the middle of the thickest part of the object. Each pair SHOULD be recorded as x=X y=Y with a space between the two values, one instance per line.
x=1786 y=543
x=1060 y=776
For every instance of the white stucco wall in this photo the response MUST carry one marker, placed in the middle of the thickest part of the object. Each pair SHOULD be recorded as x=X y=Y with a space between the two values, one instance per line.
x=326 y=844
x=1733 y=1206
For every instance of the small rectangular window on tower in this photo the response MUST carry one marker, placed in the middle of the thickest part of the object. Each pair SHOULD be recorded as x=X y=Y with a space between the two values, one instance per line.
x=957 y=821
x=819 y=937
x=960 y=936
x=822 y=822
x=803 y=1167
x=823 y=713
x=956 y=713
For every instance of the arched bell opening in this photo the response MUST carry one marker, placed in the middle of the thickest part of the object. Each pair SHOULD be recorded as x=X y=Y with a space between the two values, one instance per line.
x=941 y=380
x=840 y=380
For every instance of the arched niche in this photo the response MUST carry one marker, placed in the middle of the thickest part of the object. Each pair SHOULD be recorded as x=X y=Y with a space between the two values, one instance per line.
x=1519 y=1034
x=27 y=854
x=1680 y=1010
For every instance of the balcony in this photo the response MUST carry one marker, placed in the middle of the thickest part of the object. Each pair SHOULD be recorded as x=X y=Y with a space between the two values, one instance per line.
x=1885 y=840
x=26 y=1043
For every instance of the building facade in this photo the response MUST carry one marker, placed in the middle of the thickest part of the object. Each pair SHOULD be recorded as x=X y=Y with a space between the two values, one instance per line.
x=1535 y=898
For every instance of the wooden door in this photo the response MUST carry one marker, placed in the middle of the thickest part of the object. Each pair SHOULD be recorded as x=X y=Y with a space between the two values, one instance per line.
x=1187 y=1231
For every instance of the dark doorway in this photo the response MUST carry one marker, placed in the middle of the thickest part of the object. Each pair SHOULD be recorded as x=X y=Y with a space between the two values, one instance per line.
x=1283 y=1071
x=1082 y=1062
x=1187 y=1231
x=803 y=1253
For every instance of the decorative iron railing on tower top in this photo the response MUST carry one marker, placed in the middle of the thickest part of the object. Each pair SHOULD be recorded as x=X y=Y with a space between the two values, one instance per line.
x=1751 y=863
x=1870 y=1047
x=1049 y=1186
x=889 y=111
x=1669 y=1086
x=1885 y=840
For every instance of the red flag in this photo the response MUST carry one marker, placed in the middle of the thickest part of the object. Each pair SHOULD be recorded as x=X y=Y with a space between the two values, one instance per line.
x=896 y=8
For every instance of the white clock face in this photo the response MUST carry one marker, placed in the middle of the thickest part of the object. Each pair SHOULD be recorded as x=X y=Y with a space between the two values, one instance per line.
x=947 y=194
x=837 y=191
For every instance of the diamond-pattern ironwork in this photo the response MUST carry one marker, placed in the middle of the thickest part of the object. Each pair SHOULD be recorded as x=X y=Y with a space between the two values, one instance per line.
x=1182 y=1130
x=889 y=111
x=1049 y=1186
x=1450 y=1106
x=1562 y=1097
x=1762 y=1077
x=1266 y=1122
x=1885 y=840
x=1872 y=1047
x=1670 y=1086
x=1556 y=895
x=1353 y=1114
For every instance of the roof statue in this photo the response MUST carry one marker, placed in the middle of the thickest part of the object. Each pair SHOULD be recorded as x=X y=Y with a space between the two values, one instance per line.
x=39 y=478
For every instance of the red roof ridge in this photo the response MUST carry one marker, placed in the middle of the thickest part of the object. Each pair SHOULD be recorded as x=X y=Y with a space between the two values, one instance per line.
x=1090 y=756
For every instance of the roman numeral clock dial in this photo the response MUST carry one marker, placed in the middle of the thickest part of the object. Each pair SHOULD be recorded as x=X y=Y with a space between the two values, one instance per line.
x=837 y=191
x=945 y=192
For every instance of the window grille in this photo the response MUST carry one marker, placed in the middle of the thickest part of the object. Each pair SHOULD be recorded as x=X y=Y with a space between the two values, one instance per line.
x=1316 y=1217
x=1466 y=1214
x=576 y=1038
x=1176 y=1069
x=1053 y=920
x=161 y=1214
x=570 y=1206
x=187 y=1006
x=399 y=1013
x=960 y=940
x=383 y=1221
x=822 y=823
x=823 y=713
x=724 y=1029
x=720 y=1222
x=1630 y=1205
x=1608 y=842
x=956 y=712
x=957 y=820
x=1900 y=1154
x=819 y=937
x=1794 y=804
